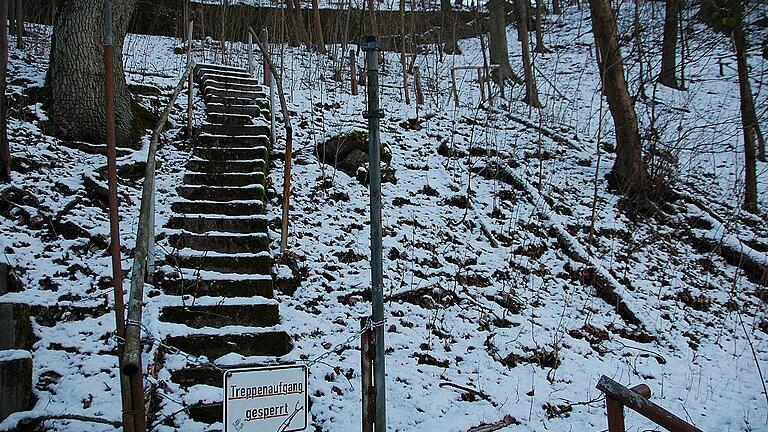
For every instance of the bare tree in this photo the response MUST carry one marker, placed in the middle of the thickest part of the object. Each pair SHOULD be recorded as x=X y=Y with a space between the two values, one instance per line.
x=448 y=30
x=748 y=120
x=20 y=24
x=540 y=46
x=5 y=151
x=319 y=39
x=669 y=44
x=531 y=92
x=497 y=28
x=628 y=174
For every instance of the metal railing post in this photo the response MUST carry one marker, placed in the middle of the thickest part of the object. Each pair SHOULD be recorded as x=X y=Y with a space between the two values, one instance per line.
x=250 y=54
x=114 y=217
x=374 y=115
x=366 y=375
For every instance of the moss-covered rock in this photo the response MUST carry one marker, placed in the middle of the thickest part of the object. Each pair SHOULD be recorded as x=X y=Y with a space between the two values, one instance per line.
x=347 y=151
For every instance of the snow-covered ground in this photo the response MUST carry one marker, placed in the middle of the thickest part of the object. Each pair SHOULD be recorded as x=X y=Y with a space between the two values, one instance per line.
x=492 y=278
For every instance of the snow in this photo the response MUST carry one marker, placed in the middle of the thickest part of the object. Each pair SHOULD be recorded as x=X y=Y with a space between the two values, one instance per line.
x=495 y=318
x=14 y=354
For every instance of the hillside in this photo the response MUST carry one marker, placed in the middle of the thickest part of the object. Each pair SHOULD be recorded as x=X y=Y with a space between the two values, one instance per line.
x=510 y=266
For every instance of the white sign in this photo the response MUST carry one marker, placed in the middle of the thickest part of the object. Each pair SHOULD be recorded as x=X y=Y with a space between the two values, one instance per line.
x=265 y=399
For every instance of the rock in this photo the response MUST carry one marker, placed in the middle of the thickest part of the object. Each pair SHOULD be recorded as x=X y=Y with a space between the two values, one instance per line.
x=337 y=148
x=16 y=331
x=352 y=162
x=15 y=382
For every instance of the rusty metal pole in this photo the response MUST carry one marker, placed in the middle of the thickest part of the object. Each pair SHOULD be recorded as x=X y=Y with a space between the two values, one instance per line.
x=114 y=218
x=366 y=376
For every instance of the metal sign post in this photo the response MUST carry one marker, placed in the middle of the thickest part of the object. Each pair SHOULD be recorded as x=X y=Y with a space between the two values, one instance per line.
x=374 y=115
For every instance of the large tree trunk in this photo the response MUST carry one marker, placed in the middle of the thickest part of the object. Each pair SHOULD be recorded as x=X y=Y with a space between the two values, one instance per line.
x=497 y=28
x=319 y=39
x=5 y=152
x=668 y=48
x=747 y=120
x=523 y=18
x=76 y=73
x=628 y=174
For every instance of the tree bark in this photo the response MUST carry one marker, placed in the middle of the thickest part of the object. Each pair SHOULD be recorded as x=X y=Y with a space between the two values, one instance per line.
x=628 y=174
x=10 y=15
x=20 y=24
x=531 y=92
x=556 y=7
x=669 y=44
x=5 y=151
x=540 y=47
x=76 y=73
x=747 y=120
x=448 y=30
x=319 y=39
x=403 y=61
x=499 y=51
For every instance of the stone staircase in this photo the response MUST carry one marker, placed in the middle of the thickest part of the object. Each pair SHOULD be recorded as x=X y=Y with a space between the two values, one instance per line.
x=222 y=282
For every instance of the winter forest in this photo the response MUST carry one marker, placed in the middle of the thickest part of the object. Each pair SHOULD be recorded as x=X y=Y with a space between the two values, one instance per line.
x=370 y=215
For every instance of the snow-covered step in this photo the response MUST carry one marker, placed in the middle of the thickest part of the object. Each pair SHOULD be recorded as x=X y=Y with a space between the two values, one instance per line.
x=204 y=68
x=257 y=263
x=217 y=167
x=221 y=242
x=232 y=93
x=249 y=110
x=222 y=193
x=232 y=119
x=217 y=316
x=219 y=286
x=214 y=140
x=218 y=208
x=256 y=88
x=225 y=179
x=207 y=77
x=263 y=343
x=231 y=100
x=206 y=223
x=232 y=153
x=235 y=130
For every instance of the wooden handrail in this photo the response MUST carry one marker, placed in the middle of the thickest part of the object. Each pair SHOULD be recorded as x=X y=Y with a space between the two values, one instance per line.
x=144 y=238
x=288 y=139
x=617 y=397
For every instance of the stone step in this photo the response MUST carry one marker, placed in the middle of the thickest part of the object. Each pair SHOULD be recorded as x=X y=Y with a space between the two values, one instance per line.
x=259 y=263
x=218 y=208
x=225 y=179
x=232 y=93
x=222 y=193
x=210 y=77
x=230 y=119
x=235 y=130
x=250 y=110
x=221 y=242
x=237 y=101
x=219 y=287
x=231 y=153
x=230 y=167
x=207 y=413
x=212 y=140
x=207 y=68
x=217 y=316
x=272 y=343
x=254 y=88
x=201 y=224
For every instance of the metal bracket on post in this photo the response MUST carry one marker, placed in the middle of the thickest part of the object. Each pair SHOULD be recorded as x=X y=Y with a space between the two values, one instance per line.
x=379 y=114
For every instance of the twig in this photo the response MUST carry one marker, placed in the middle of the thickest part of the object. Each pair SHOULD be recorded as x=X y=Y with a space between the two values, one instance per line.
x=467 y=389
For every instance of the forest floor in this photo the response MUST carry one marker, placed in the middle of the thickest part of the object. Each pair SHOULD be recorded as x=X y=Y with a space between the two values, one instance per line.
x=496 y=277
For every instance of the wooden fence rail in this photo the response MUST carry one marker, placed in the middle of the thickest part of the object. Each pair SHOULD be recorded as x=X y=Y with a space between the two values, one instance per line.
x=617 y=397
